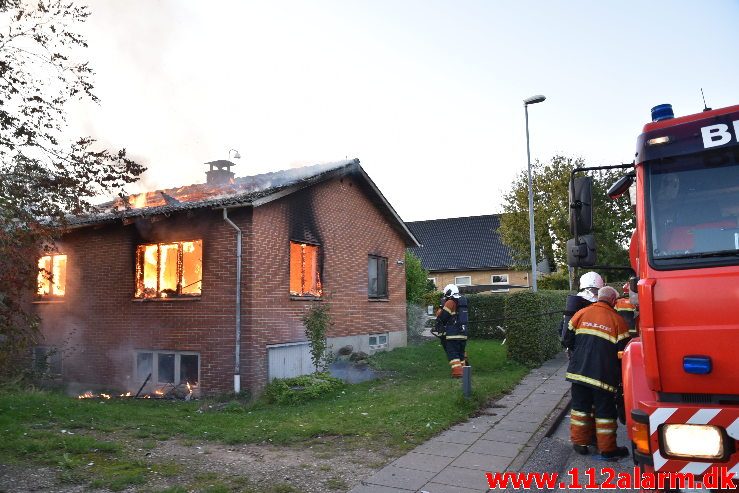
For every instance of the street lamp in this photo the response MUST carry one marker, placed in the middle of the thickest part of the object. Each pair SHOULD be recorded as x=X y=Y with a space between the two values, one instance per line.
x=526 y=102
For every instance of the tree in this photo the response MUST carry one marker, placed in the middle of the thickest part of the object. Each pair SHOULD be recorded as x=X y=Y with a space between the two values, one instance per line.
x=416 y=279
x=45 y=174
x=613 y=219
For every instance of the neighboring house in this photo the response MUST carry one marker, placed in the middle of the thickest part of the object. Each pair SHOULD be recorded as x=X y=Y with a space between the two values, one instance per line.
x=151 y=288
x=468 y=252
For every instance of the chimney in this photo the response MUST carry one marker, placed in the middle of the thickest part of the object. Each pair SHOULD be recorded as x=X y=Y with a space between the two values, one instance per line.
x=220 y=172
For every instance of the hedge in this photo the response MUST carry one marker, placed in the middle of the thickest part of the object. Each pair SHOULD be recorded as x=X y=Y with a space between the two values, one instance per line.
x=486 y=314
x=532 y=324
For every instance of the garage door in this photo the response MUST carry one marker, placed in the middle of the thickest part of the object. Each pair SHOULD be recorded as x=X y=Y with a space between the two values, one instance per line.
x=289 y=360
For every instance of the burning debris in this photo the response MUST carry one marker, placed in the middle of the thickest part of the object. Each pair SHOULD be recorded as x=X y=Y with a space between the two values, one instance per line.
x=170 y=392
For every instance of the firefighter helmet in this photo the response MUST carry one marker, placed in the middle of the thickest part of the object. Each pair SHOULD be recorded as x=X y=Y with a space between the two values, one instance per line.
x=451 y=291
x=591 y=280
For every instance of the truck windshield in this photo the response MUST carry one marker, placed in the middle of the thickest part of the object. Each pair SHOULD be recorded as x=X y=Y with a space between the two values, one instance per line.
x=693 y=212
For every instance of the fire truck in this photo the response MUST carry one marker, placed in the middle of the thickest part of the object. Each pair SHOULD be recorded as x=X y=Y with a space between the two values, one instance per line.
x=681 y=370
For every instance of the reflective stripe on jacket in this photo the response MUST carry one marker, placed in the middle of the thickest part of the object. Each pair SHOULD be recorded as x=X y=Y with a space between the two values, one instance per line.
x=599 y=334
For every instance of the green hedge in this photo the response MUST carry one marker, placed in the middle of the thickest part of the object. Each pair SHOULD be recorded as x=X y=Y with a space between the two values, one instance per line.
x=533 y=339
x=486 y=312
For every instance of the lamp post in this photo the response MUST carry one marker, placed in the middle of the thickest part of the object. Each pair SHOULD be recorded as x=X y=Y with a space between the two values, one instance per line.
x=526 y=102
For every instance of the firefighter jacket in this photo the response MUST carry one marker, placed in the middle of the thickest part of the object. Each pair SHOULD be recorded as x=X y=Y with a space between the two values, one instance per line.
x=628 y=312
x=452 y=319
x=595 y=335
x=573 y=304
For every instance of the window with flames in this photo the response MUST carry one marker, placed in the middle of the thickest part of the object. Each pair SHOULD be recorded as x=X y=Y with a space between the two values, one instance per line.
x=52 y=275
x=305 y=279
x=166 y=270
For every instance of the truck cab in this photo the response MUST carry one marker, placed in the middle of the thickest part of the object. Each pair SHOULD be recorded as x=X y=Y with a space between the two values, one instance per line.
x=681 y=371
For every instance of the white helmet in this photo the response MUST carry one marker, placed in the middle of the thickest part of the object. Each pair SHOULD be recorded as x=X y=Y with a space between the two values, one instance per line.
x=451 y=291
x=591 y=280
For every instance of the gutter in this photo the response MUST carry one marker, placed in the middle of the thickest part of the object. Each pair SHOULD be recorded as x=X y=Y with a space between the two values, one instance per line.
x=237 y=352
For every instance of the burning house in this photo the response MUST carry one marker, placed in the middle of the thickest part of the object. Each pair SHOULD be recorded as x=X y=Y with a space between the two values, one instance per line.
x=204 y=286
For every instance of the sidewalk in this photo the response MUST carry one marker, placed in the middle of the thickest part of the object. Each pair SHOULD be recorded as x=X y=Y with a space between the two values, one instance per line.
x=501 y=438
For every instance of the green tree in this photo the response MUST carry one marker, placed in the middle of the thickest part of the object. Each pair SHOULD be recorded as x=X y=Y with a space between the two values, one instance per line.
x=45 y=173
x=416 y=279
x=613 y=219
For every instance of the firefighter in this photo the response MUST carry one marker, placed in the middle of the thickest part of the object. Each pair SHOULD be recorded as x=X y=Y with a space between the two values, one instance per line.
x=590 y=283
x=627 y=310
x=451 y=327
x=595 y=336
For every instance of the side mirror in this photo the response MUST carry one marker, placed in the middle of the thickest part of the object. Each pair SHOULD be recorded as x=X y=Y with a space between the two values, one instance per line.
x=620 y=187
x=581 y=205
x=581 y=251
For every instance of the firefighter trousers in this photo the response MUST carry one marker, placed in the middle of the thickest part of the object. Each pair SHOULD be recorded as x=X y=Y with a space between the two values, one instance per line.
x=593 y=410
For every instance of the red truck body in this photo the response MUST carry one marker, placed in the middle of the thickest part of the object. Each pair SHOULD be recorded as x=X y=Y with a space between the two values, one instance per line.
x=682 y=368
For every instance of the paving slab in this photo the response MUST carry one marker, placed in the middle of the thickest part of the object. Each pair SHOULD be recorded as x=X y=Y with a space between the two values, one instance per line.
x=400 y=478
x=462 y=437
x=423 y=462
x=499 y=449
x=444 y=449
x=445 y=488
x=376 y=488
x=460 y=476
x=482 y=462
x=509 y=436
x=522 y=426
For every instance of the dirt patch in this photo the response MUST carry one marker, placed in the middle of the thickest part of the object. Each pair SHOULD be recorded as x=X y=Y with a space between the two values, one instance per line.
x=328 y=464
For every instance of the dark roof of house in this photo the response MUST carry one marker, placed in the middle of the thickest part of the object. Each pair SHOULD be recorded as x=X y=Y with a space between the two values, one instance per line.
x=248 y=191
x=460 y=243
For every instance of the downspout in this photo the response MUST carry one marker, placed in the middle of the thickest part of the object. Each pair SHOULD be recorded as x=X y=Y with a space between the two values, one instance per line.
x=237 y=353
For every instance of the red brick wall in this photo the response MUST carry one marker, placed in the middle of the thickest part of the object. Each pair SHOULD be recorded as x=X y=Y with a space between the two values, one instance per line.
x=99 y=324
x=349 y=228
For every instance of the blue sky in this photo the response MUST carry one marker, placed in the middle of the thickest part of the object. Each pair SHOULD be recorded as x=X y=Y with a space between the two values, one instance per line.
x=427 y=94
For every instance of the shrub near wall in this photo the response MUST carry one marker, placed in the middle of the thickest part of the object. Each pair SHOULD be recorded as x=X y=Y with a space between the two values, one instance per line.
x=486 y=314
x=533 y=338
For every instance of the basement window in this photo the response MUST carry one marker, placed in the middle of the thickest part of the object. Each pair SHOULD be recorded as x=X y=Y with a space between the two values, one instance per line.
x=52 y=275
x=305 y=279
x=47 y=361
x=166 y=270
x=378 y=341
x=168 y=367
x=377 y=277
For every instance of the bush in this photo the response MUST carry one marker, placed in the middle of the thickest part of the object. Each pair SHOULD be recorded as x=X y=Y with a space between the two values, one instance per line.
x=301 y=389
x=556 y=280
x=533 y=338
x=486 y=313
x=317 y=321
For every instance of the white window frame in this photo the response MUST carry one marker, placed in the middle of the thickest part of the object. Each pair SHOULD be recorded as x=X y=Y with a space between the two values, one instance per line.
x=457 y=278
x=432 y=279
x=507 y=281
x=154 y=380
x=379 y=344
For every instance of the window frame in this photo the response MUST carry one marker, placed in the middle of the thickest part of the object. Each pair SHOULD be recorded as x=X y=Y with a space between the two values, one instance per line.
x=318 y=281
x=51 y=295
x=154 y=380
x=433 y=279
x=456 y=280
x=378 y=345
x=379 y=295
x=139 y=286
x=506 y=282
x=52 y=358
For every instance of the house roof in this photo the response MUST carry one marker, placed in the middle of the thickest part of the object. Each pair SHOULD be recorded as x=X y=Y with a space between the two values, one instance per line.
x=247 y=191
x=460 y=244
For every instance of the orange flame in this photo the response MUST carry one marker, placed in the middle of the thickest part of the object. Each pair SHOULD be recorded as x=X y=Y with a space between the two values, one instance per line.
x=137 y=201
x=86 y=395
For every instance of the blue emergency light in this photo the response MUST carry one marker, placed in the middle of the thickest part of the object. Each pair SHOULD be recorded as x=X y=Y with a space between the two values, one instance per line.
x=662 y=112
x=697 y=365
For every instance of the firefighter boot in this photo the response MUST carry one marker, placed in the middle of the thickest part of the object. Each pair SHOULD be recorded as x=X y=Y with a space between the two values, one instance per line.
x=605 y=431
x=456 y=368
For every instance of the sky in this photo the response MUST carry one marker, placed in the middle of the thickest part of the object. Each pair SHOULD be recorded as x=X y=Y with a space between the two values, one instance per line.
x=427 y=94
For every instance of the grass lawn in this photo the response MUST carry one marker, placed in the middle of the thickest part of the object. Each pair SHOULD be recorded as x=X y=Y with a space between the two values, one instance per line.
x=399 y=411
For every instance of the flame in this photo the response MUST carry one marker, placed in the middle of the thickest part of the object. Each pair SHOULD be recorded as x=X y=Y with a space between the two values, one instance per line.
x=105 y=396
x=127 y=394
x=158 y=392
x=86 y=395
x=137 y=201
